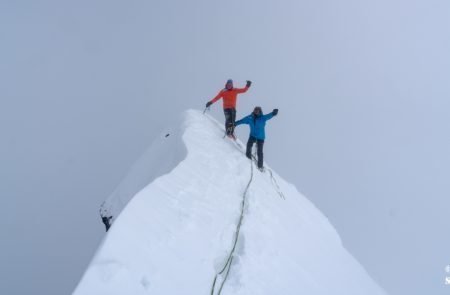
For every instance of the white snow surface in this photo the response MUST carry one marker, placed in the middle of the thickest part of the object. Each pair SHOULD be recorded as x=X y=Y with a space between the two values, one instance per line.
x=177 y=232
x=166 y=152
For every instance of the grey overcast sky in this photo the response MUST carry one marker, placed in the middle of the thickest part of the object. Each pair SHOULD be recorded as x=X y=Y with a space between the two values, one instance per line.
x=362 y=87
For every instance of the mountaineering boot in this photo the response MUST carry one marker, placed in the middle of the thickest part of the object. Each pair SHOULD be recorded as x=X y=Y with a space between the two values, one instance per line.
x=232 y=136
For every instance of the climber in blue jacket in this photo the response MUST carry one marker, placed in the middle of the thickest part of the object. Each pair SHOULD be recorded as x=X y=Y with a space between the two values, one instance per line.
x=257 y=121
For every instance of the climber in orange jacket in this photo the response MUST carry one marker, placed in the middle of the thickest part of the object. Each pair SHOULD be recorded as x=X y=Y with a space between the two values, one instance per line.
x=229 y=96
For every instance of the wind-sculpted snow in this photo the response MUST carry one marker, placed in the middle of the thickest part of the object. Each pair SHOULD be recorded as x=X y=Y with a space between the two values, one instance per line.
x=178 y=232
x=166 y=151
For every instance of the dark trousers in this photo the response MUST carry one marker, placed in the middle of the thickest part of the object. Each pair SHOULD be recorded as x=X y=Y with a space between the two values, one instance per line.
x=259 y=149
x=230 y=118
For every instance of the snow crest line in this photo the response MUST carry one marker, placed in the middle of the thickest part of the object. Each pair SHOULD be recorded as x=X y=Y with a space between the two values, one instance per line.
x=227 y=265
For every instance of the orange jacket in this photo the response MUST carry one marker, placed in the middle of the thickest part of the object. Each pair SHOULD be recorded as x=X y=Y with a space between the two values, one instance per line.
x=229 y=97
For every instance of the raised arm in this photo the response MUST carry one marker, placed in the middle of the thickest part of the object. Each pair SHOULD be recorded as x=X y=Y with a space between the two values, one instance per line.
x=271 y=115
x=243 y=90
x=268 y=116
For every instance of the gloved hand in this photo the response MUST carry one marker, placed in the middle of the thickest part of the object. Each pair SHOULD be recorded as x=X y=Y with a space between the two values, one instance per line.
x=208 y=104
x=275 y=112
x=249 y=83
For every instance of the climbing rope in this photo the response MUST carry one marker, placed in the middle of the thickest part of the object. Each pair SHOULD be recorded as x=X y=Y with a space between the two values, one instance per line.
x=229 y=260
x=226 y=268
x=275 y=183
x=272 y=179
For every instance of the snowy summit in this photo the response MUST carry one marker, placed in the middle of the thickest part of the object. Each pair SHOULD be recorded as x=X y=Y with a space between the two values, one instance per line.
x=195 y=216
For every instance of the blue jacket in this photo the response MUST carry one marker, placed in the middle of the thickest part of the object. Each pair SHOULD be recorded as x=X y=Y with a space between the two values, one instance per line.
x=257 y=124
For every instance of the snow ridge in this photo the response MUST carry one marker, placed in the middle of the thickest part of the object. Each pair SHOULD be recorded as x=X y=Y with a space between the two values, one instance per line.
x=164 y=154
x=201 y=217
x=229 y=261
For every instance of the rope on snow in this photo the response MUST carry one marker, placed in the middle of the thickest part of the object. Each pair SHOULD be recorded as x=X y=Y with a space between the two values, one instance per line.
x=227 y=265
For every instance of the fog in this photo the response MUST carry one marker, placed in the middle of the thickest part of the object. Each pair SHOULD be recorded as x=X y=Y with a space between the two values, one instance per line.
x=362 y=88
